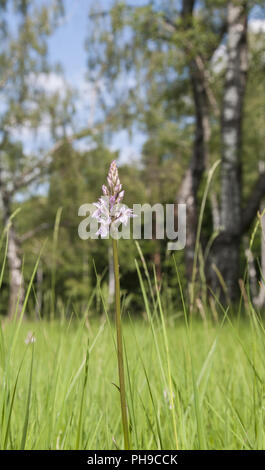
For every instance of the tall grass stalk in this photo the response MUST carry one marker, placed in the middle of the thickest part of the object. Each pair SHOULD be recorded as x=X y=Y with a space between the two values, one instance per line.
x=120 y=346
x=202 y=442
x=54 y=252
x=171 y=394
x=198 y=234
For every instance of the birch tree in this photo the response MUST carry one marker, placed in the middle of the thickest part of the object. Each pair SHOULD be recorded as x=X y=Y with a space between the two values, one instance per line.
x=157 y=45
x=28 y=112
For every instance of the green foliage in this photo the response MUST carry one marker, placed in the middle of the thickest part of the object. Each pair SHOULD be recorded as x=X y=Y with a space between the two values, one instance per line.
x=227 y=366
x=142 y=56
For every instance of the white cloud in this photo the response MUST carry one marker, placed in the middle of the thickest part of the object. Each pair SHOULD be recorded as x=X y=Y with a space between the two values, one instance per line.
x=50 y=83
x=129 y=149
x=32 y=139
x=257 y=26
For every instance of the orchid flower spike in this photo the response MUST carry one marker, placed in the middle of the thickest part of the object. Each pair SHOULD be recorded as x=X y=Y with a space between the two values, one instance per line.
x=110 y=212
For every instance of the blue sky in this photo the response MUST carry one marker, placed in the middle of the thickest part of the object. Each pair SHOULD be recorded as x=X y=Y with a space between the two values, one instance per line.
x=67 y=44
x=67 y=47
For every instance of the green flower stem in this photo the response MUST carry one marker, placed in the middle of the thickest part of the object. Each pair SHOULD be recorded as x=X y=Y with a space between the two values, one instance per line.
x=119 y=346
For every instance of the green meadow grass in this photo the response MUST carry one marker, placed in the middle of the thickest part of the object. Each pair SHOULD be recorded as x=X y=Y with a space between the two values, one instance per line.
x=192 y=382
x=194 y=386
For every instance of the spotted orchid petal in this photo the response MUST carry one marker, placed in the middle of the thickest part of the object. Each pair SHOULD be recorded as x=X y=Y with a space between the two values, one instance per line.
x=110 y=212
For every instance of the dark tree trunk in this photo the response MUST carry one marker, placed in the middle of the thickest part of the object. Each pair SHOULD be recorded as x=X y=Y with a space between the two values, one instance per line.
x=227 y=246
x=259 y=301
x=189 y=188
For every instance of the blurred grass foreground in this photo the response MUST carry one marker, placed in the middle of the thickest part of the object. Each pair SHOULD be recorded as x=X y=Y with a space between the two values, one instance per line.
x=58 y=384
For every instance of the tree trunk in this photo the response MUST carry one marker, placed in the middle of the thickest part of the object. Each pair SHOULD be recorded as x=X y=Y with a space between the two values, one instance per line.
x=257 y=288
x=16 y=281
x=227 y=246
x=259 y=300
x=190 y=186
